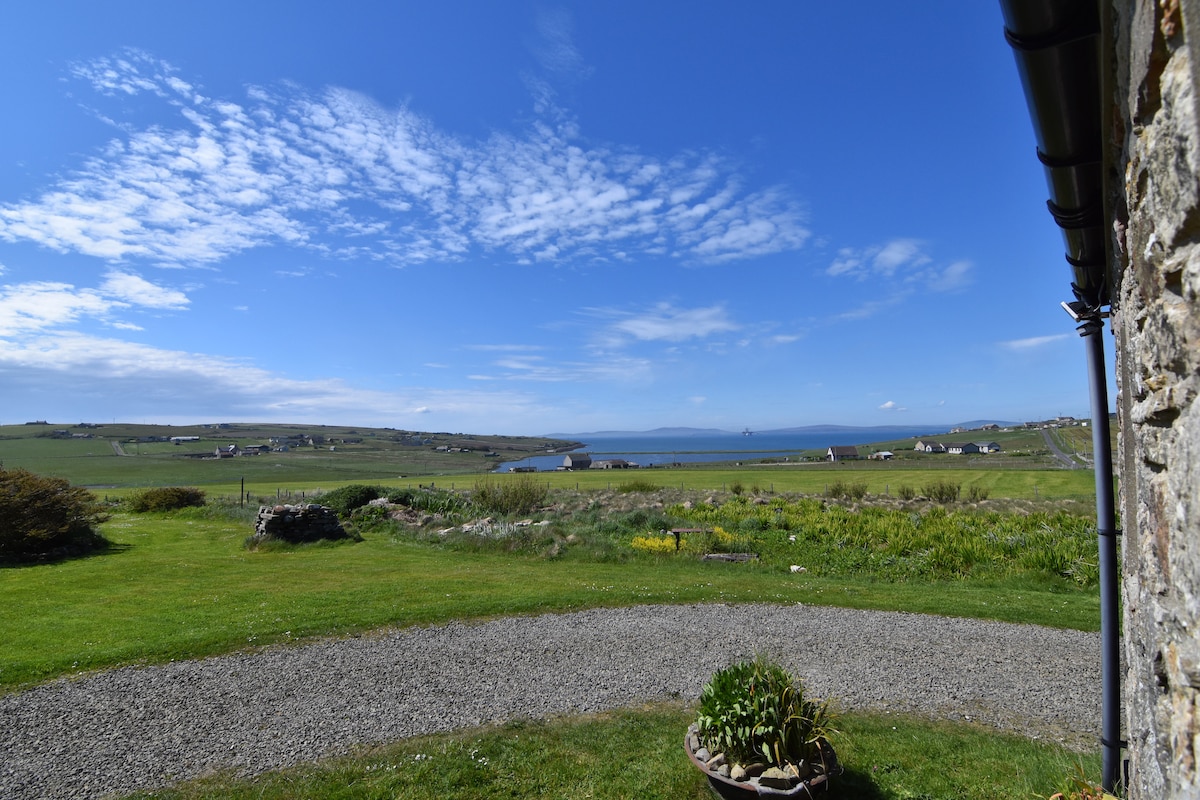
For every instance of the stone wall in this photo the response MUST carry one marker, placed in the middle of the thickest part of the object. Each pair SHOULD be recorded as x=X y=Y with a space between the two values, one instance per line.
x=297 y=523
x=1156 y=322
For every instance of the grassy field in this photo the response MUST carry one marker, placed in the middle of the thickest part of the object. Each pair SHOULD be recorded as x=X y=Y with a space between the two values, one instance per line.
x=129 y=455
x=124 y=455
x=1073 y=486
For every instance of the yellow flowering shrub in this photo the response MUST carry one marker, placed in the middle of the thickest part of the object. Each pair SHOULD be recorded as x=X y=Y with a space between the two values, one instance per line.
x=721 y=535
x=654 y=544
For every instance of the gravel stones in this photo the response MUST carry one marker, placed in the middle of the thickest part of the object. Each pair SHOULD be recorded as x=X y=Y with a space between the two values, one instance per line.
x=140 y=727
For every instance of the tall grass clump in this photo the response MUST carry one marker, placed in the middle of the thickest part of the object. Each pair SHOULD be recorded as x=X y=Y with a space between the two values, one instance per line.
x=637 y=485
x=520 y=494
x=848 y=491
x=431 y=500
x=164 y=498
x=942 y=491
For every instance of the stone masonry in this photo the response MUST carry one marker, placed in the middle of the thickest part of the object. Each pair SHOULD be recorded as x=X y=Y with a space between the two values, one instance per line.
x=297 y=523
x=1155 y=194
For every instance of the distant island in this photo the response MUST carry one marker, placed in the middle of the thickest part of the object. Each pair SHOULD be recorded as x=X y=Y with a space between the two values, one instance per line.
x=914 y=430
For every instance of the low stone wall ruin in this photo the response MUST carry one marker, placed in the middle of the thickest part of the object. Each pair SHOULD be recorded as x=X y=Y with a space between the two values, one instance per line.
x=297 y=523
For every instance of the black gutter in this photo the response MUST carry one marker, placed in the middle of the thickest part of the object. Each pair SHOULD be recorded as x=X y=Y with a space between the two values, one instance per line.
x=1057 y=48
x=1057 y=45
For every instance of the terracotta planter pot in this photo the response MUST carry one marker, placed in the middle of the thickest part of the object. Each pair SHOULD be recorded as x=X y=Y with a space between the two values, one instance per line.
x=738 y=790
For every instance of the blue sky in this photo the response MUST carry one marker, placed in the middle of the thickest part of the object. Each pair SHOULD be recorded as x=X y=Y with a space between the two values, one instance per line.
x=511 y=217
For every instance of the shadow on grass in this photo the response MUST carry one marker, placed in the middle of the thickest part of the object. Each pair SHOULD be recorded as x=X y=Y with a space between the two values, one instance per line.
x=856 y=784
x=63 y=554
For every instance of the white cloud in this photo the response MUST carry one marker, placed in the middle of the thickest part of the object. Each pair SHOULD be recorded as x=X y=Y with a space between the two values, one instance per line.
x=32 y=307
x=891 y=405
x=953 y=277
x=870 y=308
x=847 y=261
x=667 y=323
x=337 y=173
x=136 y=290
x=604 y=367
x=900 y=261
x=556 y=51
x=898 y=253
x=194 y=385
x=1034 y=342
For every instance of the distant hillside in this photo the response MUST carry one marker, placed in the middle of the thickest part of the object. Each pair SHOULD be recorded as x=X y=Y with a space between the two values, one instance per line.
x=657 y=432
x=866 y=430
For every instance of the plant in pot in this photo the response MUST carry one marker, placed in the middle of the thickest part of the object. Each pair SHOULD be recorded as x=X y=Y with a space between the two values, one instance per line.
x=758 y=734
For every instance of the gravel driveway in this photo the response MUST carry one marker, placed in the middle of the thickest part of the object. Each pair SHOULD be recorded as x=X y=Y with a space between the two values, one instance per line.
x=133 y=728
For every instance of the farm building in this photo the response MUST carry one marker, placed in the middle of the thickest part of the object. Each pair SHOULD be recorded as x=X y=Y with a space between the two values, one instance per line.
x=577 y=461
x=842 y=452
x=612 y=463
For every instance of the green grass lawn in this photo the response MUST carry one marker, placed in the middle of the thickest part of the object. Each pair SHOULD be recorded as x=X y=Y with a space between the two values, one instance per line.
x=639 y=753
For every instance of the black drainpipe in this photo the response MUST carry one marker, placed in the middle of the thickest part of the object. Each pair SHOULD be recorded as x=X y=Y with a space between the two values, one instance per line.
x=1058 y=50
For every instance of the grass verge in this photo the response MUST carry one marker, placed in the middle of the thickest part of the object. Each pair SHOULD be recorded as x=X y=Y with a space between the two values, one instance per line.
x=638 y=753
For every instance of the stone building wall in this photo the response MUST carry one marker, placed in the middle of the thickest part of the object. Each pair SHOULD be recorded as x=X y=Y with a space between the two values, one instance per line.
x=1156 y=323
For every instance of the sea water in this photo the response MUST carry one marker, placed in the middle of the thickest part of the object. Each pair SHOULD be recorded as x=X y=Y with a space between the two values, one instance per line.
x=647 y=450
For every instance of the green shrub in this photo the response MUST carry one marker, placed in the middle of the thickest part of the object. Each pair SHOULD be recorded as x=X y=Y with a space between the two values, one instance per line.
x=737 y=488
x=371 y=517
x=519 y=494
x=754 y=711
x=164 y=498
x=906 y=492
x=347 y=498
x=42 y=517
x=942 y=491
x=639 y=485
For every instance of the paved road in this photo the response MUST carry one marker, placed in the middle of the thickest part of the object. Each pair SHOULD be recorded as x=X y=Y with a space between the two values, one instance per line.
x=1066 y=460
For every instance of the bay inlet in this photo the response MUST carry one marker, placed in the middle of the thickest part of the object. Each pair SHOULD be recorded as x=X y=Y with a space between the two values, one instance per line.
x=650 y=450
